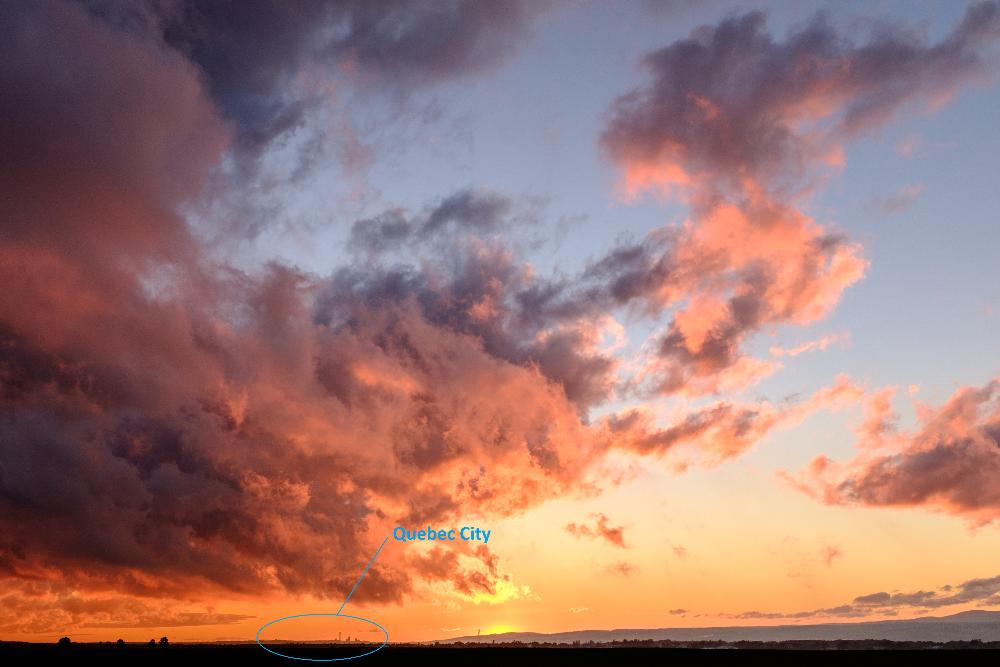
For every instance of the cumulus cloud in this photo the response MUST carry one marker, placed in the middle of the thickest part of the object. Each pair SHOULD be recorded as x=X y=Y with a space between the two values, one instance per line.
x=183 y=427
x=739 y=124
x=723 y=276
x=472 y=573
x=950 y=463
x=264 y=60
x=730 y=103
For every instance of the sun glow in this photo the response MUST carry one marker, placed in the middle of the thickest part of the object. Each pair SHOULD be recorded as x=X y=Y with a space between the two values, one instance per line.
x=499 y=629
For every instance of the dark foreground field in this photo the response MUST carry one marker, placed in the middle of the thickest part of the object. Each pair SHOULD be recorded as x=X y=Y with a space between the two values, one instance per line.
x=799 y=653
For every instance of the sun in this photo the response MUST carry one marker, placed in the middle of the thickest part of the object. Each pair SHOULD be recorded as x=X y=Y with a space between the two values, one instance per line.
x=499 y=629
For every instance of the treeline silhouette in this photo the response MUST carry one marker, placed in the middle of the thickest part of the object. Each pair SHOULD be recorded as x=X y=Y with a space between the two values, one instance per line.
x=785 y=644
x=626 y=653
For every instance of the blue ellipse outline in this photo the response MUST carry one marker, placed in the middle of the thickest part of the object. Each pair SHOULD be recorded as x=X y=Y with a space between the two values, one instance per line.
x=352 y=657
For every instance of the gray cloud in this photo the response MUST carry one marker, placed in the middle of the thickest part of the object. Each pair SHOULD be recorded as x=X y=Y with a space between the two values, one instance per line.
x=252 y=52
x=950 y=463
x=983 y=592
x=731 y=102
x=470 y=211
x=898 y=201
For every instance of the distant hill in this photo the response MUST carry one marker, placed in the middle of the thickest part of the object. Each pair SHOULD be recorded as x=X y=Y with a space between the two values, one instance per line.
x=965 y=626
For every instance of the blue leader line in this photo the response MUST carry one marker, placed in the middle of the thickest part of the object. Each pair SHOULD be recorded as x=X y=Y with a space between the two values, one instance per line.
x=353 y=657
x=363 y=574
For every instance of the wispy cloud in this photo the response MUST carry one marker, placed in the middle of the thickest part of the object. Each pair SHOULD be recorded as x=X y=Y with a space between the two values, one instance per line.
x=623 y=568
x=981 y=592
x=830 y=553
x=899 y=201
x=601 y=528
x=821 y=343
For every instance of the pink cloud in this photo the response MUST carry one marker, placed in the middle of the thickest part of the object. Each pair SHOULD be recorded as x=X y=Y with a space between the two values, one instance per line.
x=950 y=463
x=821 y=343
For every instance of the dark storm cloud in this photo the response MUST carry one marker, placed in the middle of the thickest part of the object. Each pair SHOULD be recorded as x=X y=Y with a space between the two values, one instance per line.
x=87 y=155
x=169 y=426
x=264 y=59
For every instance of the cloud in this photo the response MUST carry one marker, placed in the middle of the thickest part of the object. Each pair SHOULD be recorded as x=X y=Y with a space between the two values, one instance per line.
x=623 y=569
x=97 y=157
x=472 y=573
x=614 y=535
x=471 y=211
x=46 y=607
x=730 y=103
x=723 y=276
x=264 y=60
x=950 y=463
x=726 y=429
x=184 y=428
x=740 y=126
x=909 y=146
x=809 y=346
x=830 y=553
x=899 y=201
x=982 y=592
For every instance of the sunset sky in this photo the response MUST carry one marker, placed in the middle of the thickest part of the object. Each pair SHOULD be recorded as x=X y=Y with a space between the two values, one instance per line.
x=694 y=305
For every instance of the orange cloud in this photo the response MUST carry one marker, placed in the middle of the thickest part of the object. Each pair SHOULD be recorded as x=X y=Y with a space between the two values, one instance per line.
x=951 y=463
x=603 y=529
x=739 y=125
x=723 y=430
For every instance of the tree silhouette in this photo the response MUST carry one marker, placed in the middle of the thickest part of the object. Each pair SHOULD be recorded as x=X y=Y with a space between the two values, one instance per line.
x=64 y=642
x=164 y=642
x=120 y=643
x=152 y=643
